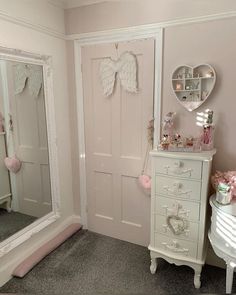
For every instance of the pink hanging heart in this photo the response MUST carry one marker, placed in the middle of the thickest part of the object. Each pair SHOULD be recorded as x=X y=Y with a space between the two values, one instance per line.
x=13 y=164
x=145 y=181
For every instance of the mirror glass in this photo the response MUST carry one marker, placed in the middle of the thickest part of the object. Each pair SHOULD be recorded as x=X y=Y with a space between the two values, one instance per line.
x=25 y=192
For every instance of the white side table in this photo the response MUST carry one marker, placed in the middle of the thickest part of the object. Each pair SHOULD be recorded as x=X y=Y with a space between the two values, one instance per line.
x=222 y=236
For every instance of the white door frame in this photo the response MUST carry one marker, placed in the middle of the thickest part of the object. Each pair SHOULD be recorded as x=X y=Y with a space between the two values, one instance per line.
x=10 y=149
x=112 y=36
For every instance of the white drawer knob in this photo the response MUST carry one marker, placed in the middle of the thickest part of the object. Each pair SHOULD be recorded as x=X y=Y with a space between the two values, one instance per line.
x=178 y=164
x=175 y=244
x=177 y=185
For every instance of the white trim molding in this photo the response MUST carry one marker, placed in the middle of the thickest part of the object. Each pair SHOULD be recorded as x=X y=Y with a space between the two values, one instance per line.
x=121 y=35
x=46 y=62
x=99 y=34
x=78 y=3
x=30 y=25
x=149 y=29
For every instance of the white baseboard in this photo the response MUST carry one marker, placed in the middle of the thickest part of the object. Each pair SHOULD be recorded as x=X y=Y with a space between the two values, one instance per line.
x=24 y=251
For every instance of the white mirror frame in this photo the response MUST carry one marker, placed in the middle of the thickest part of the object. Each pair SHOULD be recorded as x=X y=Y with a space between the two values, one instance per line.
x=46 y=62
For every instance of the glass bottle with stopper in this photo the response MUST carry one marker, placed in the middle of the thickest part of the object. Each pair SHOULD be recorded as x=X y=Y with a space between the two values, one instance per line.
x=207 y=137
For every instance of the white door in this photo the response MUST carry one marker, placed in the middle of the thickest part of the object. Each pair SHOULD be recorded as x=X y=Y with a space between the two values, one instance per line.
x=116 y=142
x=30 y=145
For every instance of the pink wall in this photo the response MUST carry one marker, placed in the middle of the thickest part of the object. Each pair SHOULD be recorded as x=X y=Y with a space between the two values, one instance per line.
x=209 y=42
x=212 y=43
x=117 y=14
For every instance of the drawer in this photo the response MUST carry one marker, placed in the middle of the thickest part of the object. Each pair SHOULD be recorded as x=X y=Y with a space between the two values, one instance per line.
x=177 y=167
x=178 y=188
x=176 y=247
x=186 y=209
x=190 y=233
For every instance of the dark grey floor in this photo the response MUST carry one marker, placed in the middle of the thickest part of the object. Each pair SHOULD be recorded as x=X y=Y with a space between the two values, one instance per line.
x=89 y=263
x=12 y=222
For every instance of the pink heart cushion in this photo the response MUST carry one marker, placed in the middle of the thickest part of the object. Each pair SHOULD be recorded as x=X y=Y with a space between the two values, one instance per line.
x=145 y=181
x=13 y=164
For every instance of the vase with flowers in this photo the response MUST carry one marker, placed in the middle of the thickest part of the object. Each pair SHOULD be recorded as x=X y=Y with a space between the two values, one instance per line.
x=224 y=184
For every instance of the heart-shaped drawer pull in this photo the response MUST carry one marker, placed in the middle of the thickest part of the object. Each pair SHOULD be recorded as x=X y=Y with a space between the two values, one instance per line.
x=178 y=225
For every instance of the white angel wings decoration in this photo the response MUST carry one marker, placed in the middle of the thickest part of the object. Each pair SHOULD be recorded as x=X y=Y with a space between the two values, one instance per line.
x=125 y=68
x=32 y=73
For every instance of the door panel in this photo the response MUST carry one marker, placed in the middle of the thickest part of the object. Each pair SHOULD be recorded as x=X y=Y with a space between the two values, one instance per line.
x=116 y=142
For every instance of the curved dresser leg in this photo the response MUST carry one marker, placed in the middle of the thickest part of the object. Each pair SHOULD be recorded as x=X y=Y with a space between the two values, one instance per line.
x=197 y=277
x=8 y=206
x=153 y=266
x=229 y=278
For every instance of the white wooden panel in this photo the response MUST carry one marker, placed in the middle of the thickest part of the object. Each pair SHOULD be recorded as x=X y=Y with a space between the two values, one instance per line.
x=29 y=185
x=178 y=188
x=46 y=187
x=103 y=195
x=132 y=201
x=167 y=244
x=167 y=206
x=162 y=227
x=101 y=115
x=24 y=118
x=178 y=167
x=131 y=118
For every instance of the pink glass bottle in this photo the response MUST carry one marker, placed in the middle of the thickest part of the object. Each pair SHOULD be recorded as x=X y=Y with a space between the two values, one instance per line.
x=207 y=137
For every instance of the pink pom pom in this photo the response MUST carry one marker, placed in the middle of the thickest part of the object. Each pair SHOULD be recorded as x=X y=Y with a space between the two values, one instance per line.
x=13 y=164
x=145 y=181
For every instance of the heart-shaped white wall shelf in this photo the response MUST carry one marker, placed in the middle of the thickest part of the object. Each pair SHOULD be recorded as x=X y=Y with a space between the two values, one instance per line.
x=193 y=85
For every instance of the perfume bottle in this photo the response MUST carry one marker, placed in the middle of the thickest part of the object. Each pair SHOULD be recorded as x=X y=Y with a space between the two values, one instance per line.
x=168 y=125
x=207 y=137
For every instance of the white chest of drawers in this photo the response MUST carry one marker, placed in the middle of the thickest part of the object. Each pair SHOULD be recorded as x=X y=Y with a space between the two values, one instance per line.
x=179 y=201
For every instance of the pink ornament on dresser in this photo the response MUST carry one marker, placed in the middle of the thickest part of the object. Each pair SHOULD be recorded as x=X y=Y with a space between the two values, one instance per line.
x=228 y=178
x=207 y=137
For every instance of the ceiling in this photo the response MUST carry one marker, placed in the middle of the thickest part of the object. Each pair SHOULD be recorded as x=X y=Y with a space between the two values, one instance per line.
x=75 y=3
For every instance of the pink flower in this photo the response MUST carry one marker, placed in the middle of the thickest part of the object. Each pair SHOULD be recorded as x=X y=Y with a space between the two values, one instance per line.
x=228 y=177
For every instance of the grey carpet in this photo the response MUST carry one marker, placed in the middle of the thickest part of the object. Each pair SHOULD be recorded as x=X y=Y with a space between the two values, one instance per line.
x=10 y=223
x=90 y=263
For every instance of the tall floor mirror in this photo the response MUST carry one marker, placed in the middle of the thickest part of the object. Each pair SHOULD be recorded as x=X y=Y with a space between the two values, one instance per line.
x=27 y=190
